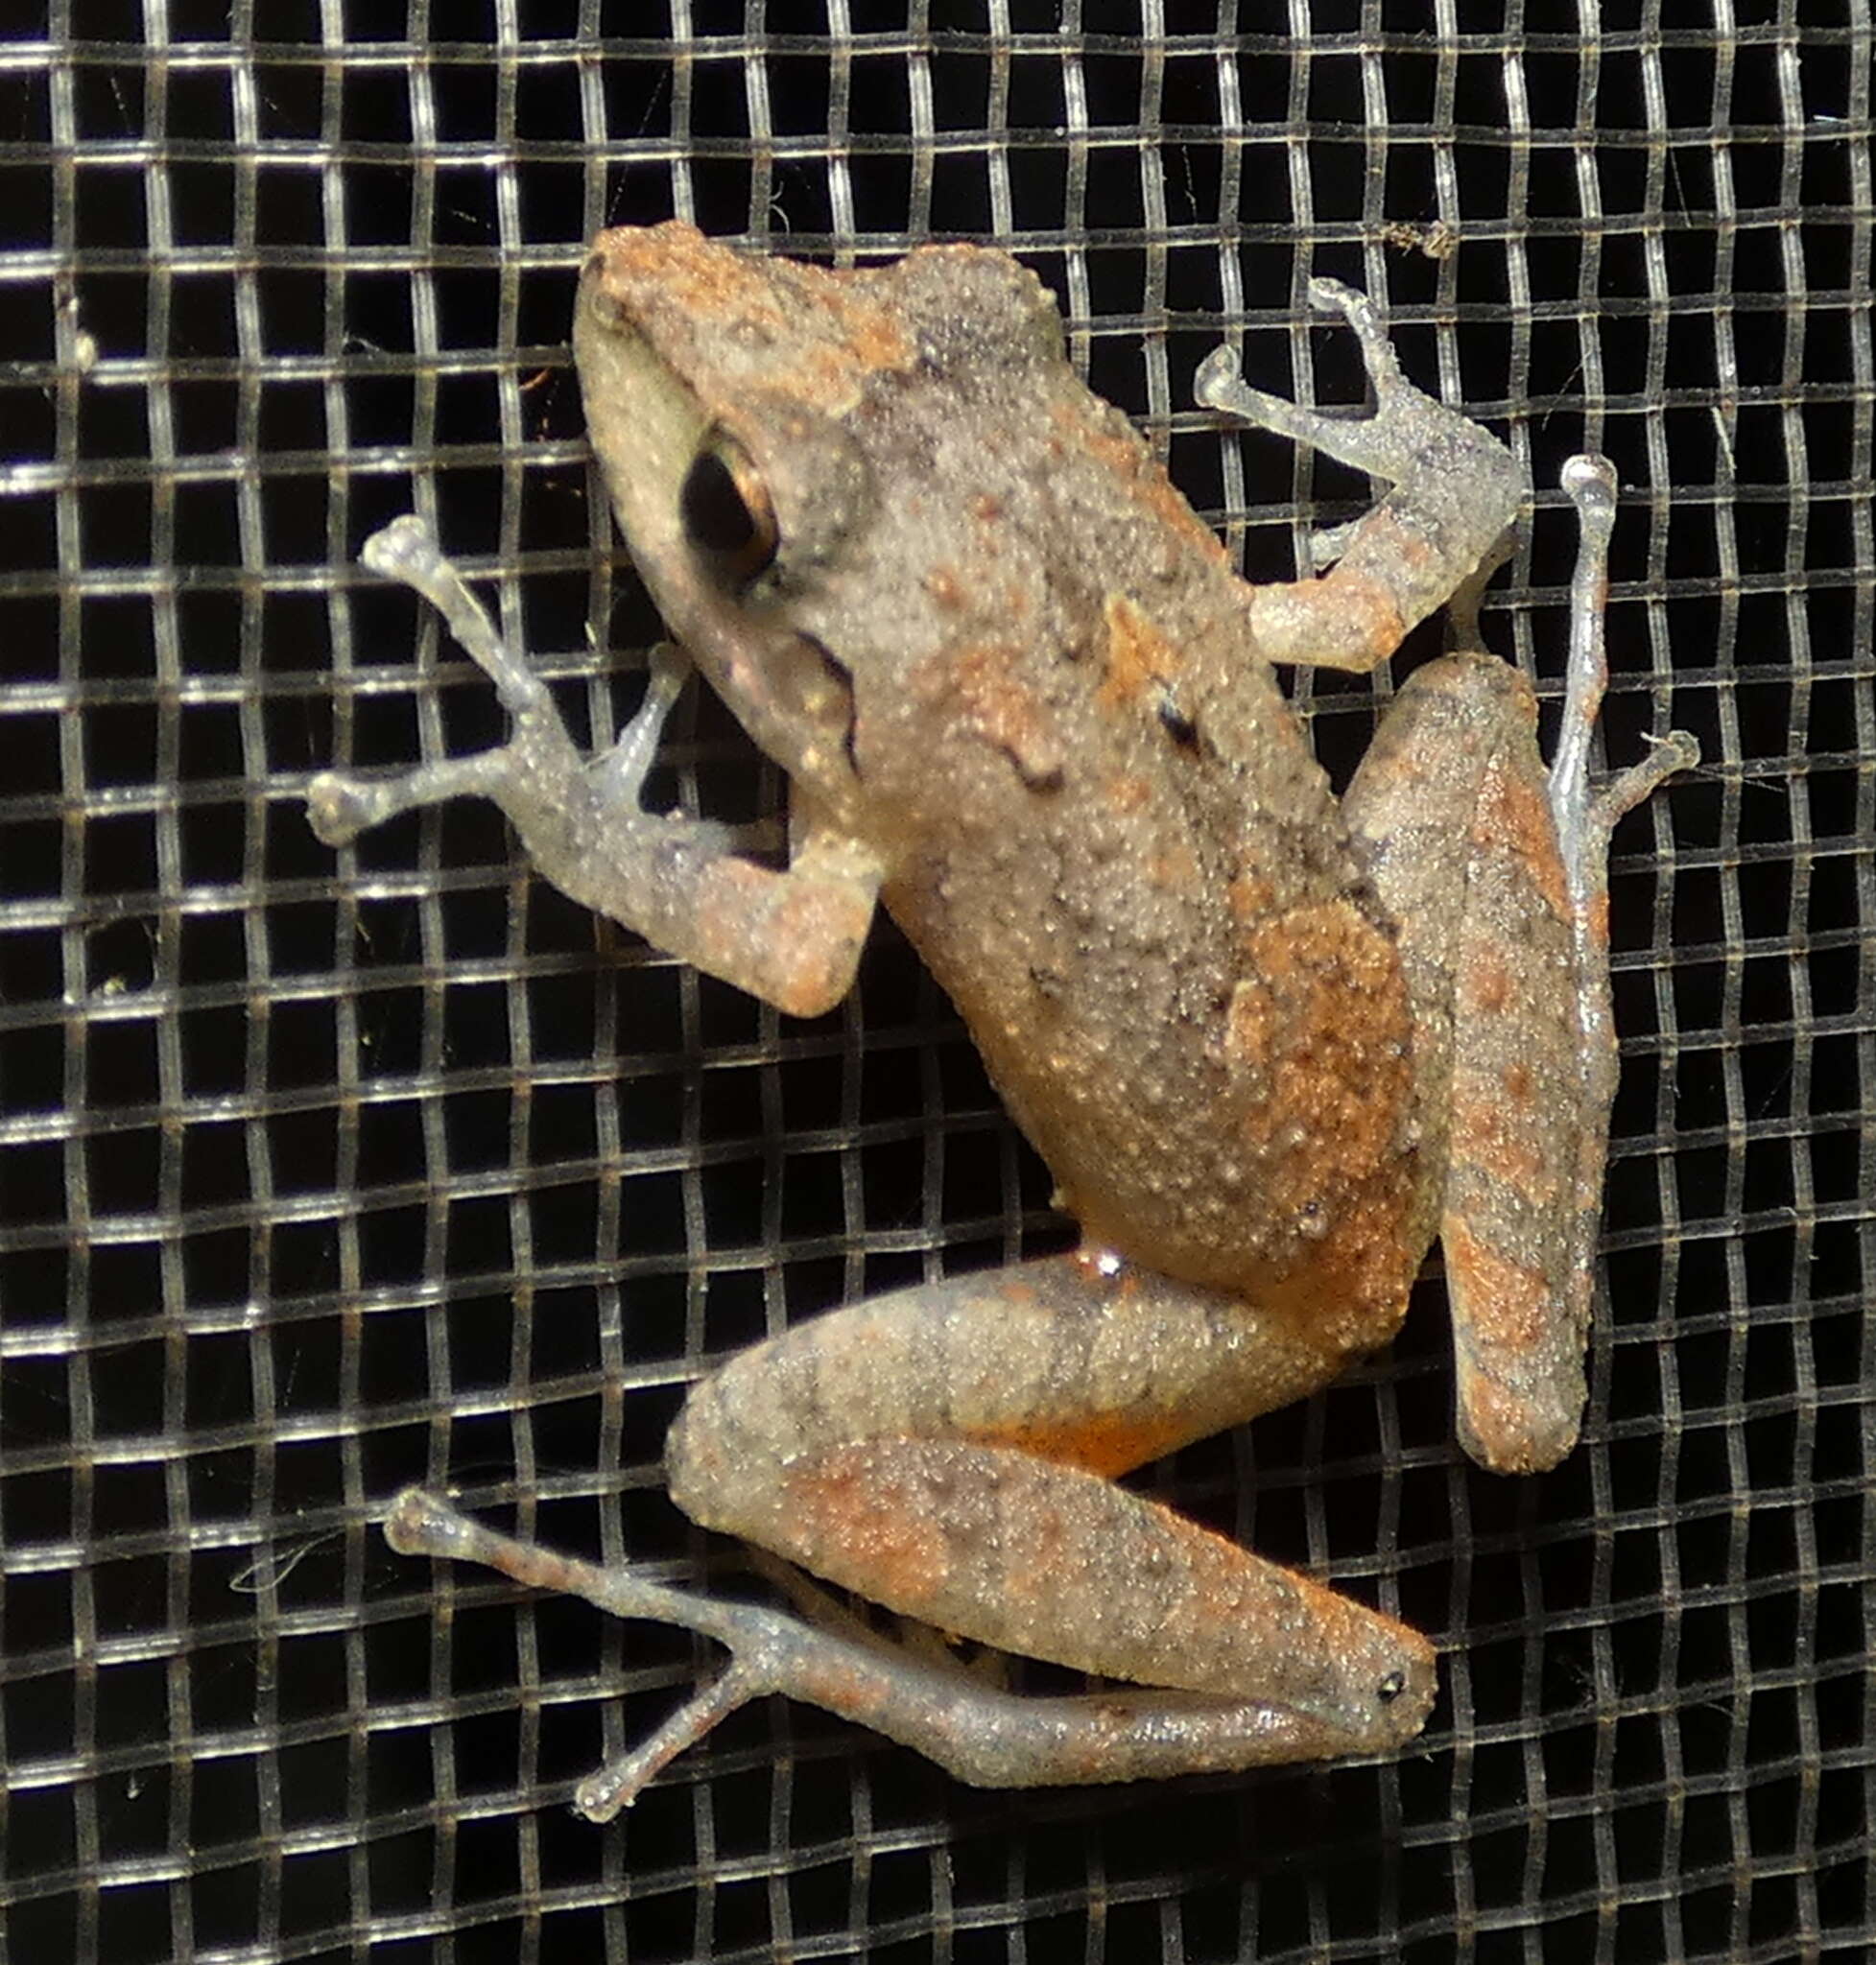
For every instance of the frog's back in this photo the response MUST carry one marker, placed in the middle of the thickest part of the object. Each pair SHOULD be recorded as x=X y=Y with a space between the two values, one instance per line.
x=994 y=646
x=1104 y=830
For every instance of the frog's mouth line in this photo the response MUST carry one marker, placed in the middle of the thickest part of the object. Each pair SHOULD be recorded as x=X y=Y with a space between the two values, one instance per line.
x=839 y=677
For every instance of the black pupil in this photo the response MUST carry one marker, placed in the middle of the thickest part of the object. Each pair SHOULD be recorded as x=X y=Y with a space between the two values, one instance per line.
x=716 y=515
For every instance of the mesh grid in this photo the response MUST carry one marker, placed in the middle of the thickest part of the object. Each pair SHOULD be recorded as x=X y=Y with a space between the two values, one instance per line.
x=323 y=1174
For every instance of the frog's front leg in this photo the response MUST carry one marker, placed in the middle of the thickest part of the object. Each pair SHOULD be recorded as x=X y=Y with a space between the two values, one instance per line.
x=947 y=1451
x=1456 y=493
x=791 y=938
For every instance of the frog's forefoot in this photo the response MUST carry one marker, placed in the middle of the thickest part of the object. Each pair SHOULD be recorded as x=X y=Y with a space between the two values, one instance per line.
x=684 y=884
x=1388 y=436
x=558 y=801
x=539 y=758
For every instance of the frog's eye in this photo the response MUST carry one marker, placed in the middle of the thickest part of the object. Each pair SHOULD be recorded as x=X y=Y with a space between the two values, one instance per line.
x=727 y=514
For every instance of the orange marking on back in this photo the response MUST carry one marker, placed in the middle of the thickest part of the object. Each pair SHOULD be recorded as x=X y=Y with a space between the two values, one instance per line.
x=1511 y=818
x=1099 y=1442
x=852 y=1516
x=946 y=587
x=1508 y=1303
x=1249 y=1028
x=1250 y=896
x=1093 y=429
x=1137 y=655
x=1175 y=867
x=983 y=680
x=1485 y=982
x=1483 y=1138
x=1127 y=793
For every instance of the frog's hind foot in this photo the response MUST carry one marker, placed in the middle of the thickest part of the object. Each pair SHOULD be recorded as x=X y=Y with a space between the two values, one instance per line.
x=982 y=1735
x=539 y=769
x=420 y=1524
x=1586 y=814
x=1533 y=1069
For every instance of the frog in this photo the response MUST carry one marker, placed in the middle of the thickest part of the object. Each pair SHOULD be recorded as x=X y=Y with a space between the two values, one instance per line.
x=1270 y=1042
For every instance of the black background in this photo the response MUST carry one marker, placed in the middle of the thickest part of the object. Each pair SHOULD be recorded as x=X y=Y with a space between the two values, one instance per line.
x=324 y=1173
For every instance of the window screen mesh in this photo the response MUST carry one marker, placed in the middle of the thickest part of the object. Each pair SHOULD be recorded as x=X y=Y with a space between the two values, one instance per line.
x=328 y=1173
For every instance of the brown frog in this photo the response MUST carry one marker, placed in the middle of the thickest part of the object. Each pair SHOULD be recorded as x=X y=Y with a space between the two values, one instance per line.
x=1270 y=1044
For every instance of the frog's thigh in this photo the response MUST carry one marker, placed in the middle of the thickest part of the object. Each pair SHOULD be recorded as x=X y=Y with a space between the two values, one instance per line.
x=944 y=1451
x=1451 y=805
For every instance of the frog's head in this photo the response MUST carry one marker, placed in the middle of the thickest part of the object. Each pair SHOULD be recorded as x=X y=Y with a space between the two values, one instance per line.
x=724 y=394
x=715 y=386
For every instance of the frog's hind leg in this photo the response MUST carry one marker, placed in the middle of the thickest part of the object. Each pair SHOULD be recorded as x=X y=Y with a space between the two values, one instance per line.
x=1457 y=492
x=1521 y=1401
x=1496 y=872
x=947 y=1452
